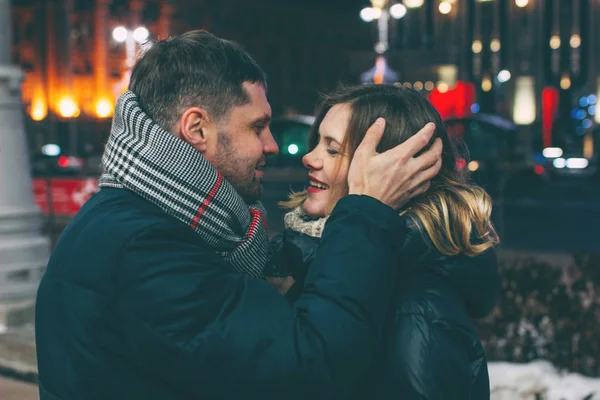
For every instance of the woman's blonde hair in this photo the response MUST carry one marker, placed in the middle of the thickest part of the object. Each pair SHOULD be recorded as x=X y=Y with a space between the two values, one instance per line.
x=455 y=214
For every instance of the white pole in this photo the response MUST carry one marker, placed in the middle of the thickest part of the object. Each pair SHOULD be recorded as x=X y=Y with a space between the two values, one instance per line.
x=23 y=251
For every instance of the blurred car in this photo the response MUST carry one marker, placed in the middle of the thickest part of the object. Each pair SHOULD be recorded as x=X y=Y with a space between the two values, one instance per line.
x=487 y=147
x=284 y=173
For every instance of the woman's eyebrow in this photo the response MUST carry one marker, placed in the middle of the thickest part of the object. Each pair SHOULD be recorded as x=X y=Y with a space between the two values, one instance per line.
x=329 y=138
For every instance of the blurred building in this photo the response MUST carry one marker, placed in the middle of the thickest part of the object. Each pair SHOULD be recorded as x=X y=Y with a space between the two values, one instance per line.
x=75 y=69
x=531 y=61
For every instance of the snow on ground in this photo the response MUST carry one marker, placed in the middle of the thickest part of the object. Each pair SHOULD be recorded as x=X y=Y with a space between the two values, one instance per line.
x=512 y=381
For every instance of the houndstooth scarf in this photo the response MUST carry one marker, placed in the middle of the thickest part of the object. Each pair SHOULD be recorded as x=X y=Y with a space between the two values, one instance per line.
x=142 y=157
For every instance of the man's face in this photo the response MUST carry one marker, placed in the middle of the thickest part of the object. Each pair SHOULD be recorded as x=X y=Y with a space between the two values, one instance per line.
x=244 y=142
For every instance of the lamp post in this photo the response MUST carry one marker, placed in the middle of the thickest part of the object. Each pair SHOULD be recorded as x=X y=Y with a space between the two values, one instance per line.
x=382 y=12
x=23 y=250
x=131 y=38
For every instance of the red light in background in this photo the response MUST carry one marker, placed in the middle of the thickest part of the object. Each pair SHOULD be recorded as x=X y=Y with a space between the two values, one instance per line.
x=456 y=102
x=539 y=169
x=461 y=163
x=63 y=162
x=549 y=109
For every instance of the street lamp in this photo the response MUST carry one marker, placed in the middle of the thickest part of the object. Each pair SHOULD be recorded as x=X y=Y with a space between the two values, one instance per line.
x=380 y=12
x=413 y=3
x=445 y=7
x=398 y=11
x=131 y=38
x=504 y=76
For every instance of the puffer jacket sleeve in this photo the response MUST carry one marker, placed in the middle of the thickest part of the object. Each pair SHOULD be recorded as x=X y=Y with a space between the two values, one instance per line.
x=209 y=333
x=429 y=361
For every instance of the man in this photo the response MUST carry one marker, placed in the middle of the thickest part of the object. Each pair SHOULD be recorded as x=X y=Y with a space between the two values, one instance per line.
x=152 y=290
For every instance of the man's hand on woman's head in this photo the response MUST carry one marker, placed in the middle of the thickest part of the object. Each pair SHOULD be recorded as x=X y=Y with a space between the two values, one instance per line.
x=395 y=176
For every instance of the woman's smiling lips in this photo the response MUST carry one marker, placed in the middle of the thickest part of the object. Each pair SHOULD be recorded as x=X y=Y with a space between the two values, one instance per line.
x=316 y=186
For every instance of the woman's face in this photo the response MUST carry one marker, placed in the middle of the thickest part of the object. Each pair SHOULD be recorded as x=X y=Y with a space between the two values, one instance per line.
x=328 y=164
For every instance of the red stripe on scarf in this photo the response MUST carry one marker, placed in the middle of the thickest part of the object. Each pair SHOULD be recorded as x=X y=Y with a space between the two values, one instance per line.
x=207 y=201
x=256 y=218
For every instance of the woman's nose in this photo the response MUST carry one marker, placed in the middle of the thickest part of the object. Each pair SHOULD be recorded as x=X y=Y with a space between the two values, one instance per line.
x=312 y=161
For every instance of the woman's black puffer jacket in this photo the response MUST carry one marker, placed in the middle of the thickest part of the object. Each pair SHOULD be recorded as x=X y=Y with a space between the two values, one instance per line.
x=431 y=349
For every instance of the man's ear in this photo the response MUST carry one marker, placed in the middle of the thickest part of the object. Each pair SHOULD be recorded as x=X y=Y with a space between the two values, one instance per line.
x=198 y=129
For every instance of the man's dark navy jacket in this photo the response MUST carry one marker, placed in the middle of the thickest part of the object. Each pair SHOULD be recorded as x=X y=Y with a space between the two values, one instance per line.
x=135 y=306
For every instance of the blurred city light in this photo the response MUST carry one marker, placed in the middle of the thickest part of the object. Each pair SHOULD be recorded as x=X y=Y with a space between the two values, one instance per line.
x=429 y=85
x=559 y=163
x=524 y=111
x=51 y=149
x=398 y=11
x=119 y=34
x=583 y=102
x=293 y=149
x=565 y=82
x=442 y=87
x=577 y=163
x=539 y=169
x=445 y=7
x=63 y=162
x=473 y=166
x=413 y=3
x=555 y=42
x=141 y=34
x=588 y=146
x=594 y=98
x=367 y=14
x=39 y=111
x=477 y=46
x=475 y=108
x=592 y=110
x=586 y=123
x=504 y=76
x=575 y=41
x=495 y=45
x=521 y=3
x=67 y=108
x=580 y=114
x=552 y=152
x=104 y=108
x=486 y=84
x=418 y=85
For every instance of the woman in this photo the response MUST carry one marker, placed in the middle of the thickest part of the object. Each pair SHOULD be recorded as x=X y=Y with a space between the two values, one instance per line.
x=431 y=348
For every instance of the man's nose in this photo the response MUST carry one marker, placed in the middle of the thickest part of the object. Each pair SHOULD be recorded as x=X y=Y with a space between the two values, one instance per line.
x=270 y=147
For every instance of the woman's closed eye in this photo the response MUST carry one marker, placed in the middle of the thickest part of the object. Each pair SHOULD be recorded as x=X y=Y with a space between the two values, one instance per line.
x=332 y=152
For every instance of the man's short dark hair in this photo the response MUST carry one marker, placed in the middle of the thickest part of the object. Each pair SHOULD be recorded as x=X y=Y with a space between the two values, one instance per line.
x=193 y=69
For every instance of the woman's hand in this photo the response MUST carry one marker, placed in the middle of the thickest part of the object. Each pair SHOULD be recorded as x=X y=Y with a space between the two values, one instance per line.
x=281 y=284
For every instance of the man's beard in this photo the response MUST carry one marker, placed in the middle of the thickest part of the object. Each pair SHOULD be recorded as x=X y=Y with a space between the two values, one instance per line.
x=239 y=172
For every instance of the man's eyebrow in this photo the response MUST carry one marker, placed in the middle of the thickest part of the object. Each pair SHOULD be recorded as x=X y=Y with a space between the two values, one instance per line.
x=264 y=120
